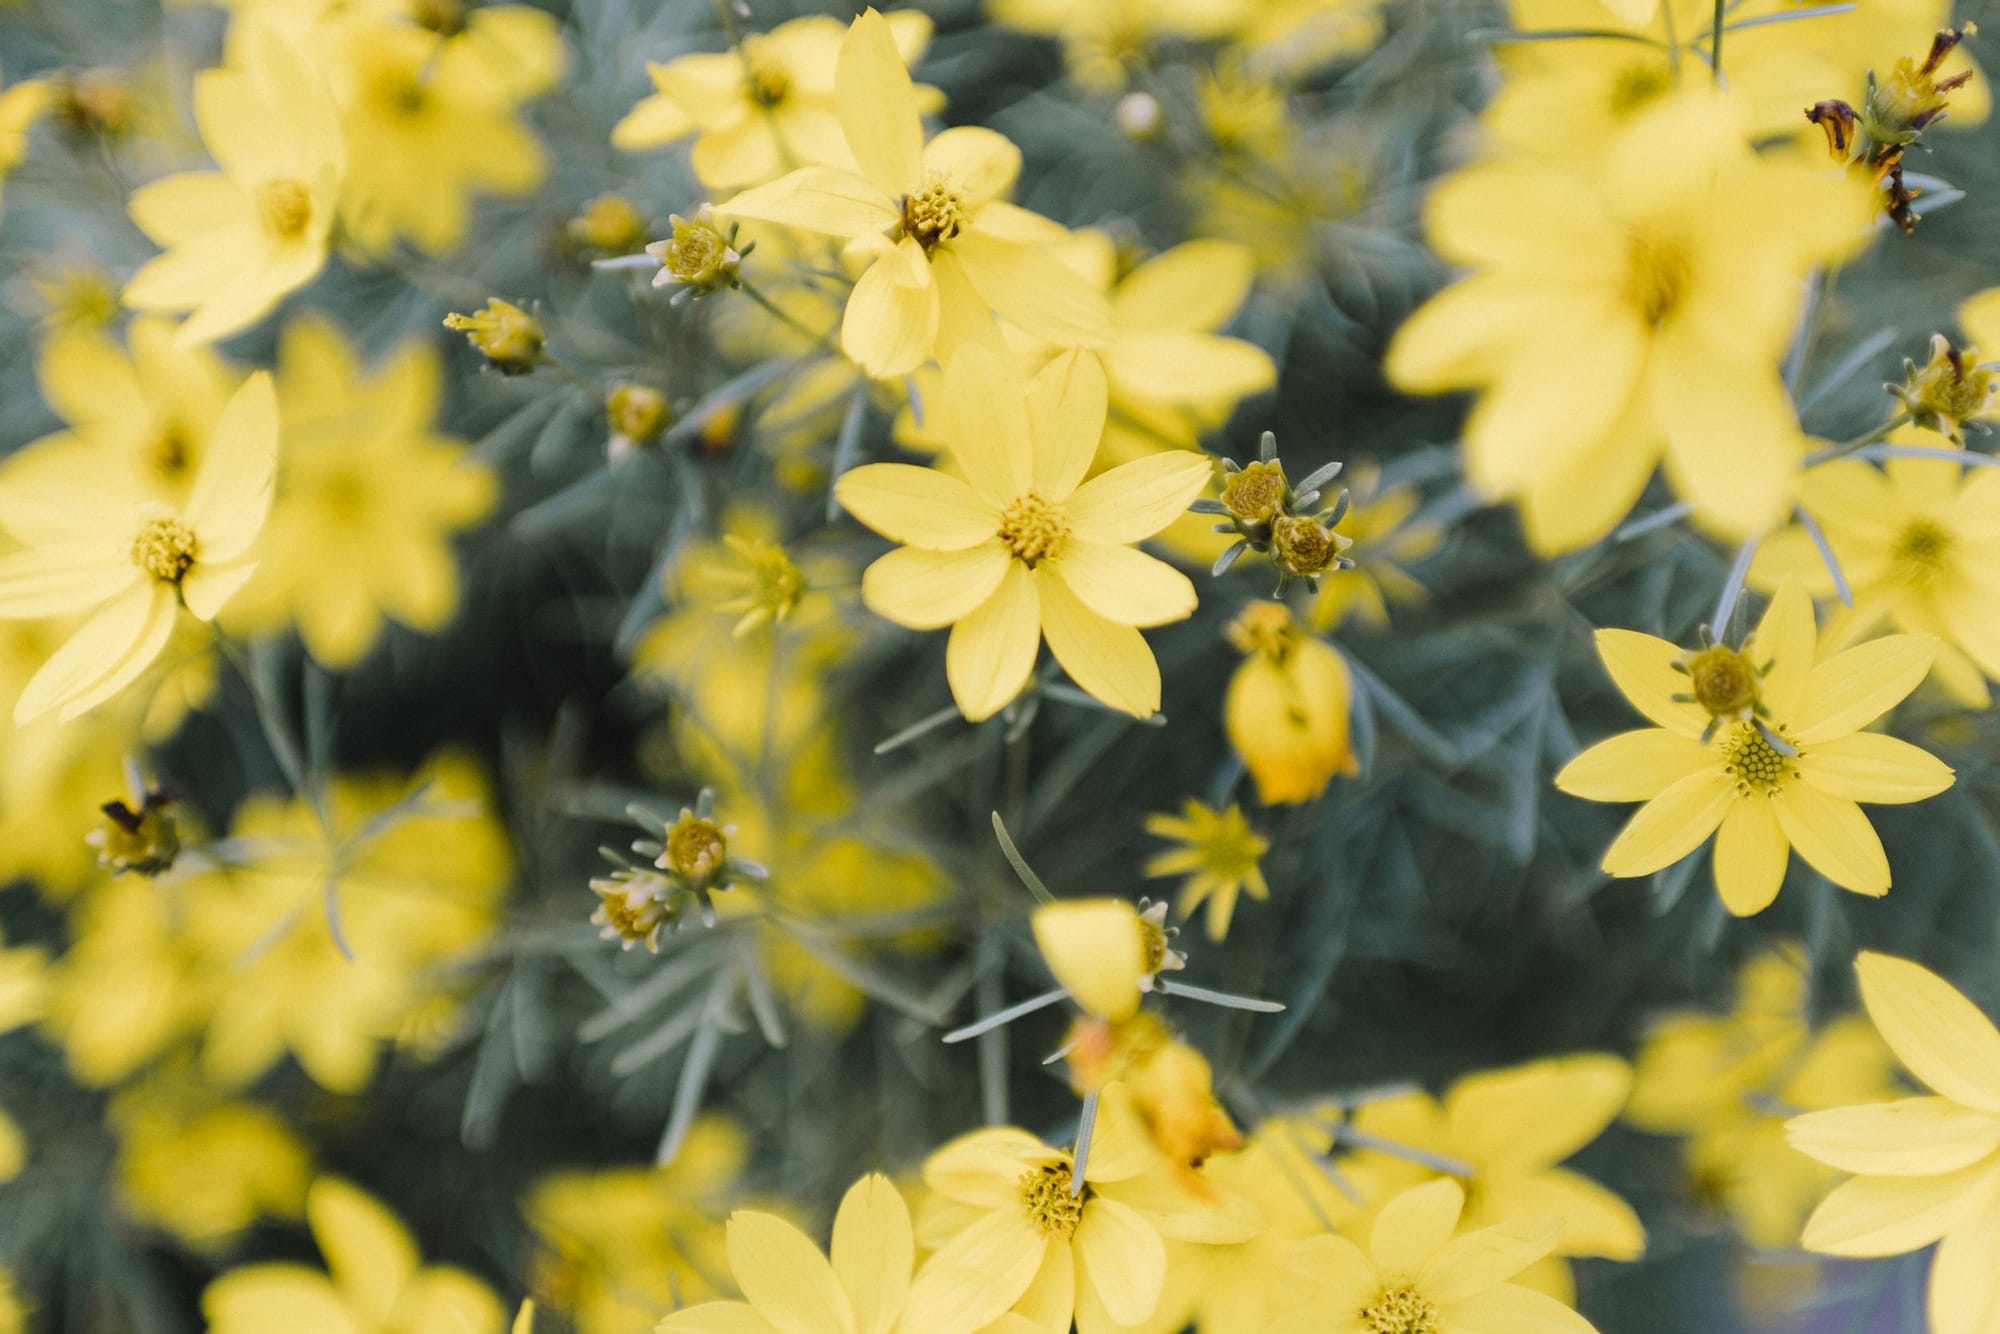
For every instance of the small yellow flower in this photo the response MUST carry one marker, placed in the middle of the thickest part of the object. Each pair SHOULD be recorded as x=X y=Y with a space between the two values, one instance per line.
x=699 y=257
x=1948 y=390
x=511 y=338
x=145 y=840
x=1219 y=854
x=1761 y=787
x=1900 y=107
x=133 y=563
x=637 y=414
x=770 y=585
x=205 y=1170
x=1926 y=1169
x=608 y=225
x=1019 y=551
x=1286 y=709
x=1105 y=953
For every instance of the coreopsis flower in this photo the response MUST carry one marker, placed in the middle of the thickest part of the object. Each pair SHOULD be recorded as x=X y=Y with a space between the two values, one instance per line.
x=1009 y=1229
x=769 y=586
x=608 y=226
x=1286 y=708
x=1508 y=1131
x=1105 y=953
x=1948 y=390
x=856 y=1287
x=1642 y=317
x=699 y=257
x=766 y=107
x=363 y=472
x=73 y=295
x=1926 y=1169
x=1422 y=1275
x=205 y=1170
x=128 y=564
x=1380 y=525
x=1218 y=854
x=1018 y=551
x=20 y=107
x=1913 y=545
x=943 y=251
x=1726 y=1083
x=239 y=239
x=512 y=339
x=377 y=1279
x=1786 y=779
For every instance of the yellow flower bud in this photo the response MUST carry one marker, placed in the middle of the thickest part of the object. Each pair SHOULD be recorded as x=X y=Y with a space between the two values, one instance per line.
x=1948 y=390
x=698 y=256
x=145 y=841
x=510 y=337
x=1286 y=709
x=608 y=225
x=637 y=414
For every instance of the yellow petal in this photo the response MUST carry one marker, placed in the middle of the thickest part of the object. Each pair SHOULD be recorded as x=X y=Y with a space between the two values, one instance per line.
x=368 y=1251
x=1855 y=687
x=1486 y=1257
x=188 y=207
x=1097 y=950
x=1834 y=837
x=992 y=651
x=1341 y=1274
x=1909 y=1137
x=1530 y=1116
x=1733 y=444
x=1641 y=667
x=1124 y=586
x=62 y=580
x=1671 y=825
x=105 y=654
x=1172 y=368
x=1751 y=854
x=1869 y=766
x=927 y=590
x=1194 y=288
x=1111 y=662
x=1595 y=1222
x=274 y=1296
x=920 y=506
x=208 y=587
x=1414 y=1226
x=1632 y=766
x=976 y=1275
x=1121 y=1258
x=706 y=1318
x=1513 y=1309
x=872 y=1252
x=1066 y=407
x=231 y=495
x=1870 y=1217
x=524 y=1319
x=1965 y=1283
x=1135 y=500
x=1031 y=289
x=784 y=1276
x=878 y=108
x=654 y=121
x=1938 y=1035
x=1784 y=647
x=890 y=327
x=980 y=164
x=820 y=199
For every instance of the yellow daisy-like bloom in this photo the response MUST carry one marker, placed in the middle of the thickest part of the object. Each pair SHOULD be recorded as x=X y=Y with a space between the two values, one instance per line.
x=1761 y=799
x=944 y=252
x=204 y=1170
x=131 y=562
x=1926 y=1169
x=364 y=475
x=857 y=1287
x=766 y=107
x=1420 y=1275
x=1631 y=314
x=377 y=1280
x=237 y=240
x=1019 y=551
x=1009 y=1232
x=1286 y=709
x=1219 y=854
x=1916 y=543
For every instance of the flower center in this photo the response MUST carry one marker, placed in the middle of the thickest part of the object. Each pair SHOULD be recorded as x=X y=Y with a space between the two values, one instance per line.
x=164 y=549
x=1656 y=278
x=769 y=80
x=695 y=847
x=1304 y=546
x=933 y=214
x=168 y=452
x=1231 y=852
x=1755 y=764
x=1637 y=85
x=1051 y=1207
x=1923 y=551
x=1401 y=1310
x=286 y=207
x=1256 y=494
x=1725 y=683
x=1034 y=529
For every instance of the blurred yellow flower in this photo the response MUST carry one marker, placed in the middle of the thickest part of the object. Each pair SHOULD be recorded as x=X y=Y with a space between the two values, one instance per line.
x=945 y=251
x=362 y=474
x=1424 y=1272
x=1105 y=41
x=1761 y=798
x=1378 y=523
x=510 y=338
x=23 y=985
x=13 y=1314
x=1926 y=1169
x=1218 y=853
x=239 y=239
x=1727 y=1082
x=1616 y=318
x=857 y=1287
x=1104 y=952
x=205 y=1170
x=767 y=106
x=377 y=1280
x=1020 y=551
x=1286 y=709
x=20 y=107
x=13 y=1148
x=132 y=562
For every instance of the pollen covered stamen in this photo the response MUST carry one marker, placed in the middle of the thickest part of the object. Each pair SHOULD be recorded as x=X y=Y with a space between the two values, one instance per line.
x=1034 y=528
x=165 y=549
x=933 y=214
x=1755 y=764
x=1045 y=1191
x=1402 y=1310
x=286 y=207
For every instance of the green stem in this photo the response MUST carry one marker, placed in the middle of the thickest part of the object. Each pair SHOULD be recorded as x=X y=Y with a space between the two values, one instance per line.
x=786 y=318
x=1862 y=441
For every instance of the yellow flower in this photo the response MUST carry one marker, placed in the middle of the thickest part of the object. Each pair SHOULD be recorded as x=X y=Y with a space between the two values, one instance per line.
x=1103 y=42
x=1948 y=390
x=1104 y=952
x=1286 y=709
x=1378 y=524
x=1914 y=544
x=132 y=562
x=943 y=250
x=20 y=107
x=1727 y=1083
x=1219 y=854
x=858 y=1287
x=510 y=337
x=1925 y=1168
x=368 y=499
x=205 y=1170
x=237 y=240
x=1421 y=1275
x=1761 y=798
x=1019 y=551
x=1511 y=1128
x=23 y=985
x=1008 y=1230
x=699 y=257
x=766 y=107
x=1629 y=314
x=1171 y=1085
x=377 y=1280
